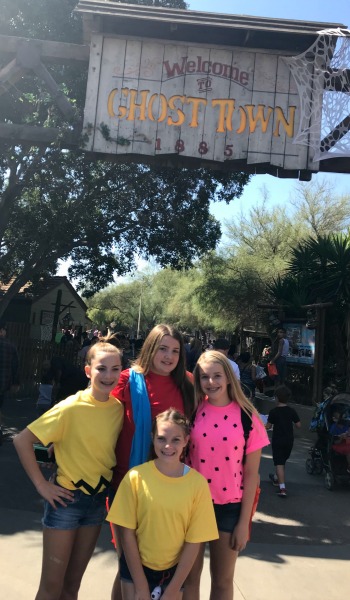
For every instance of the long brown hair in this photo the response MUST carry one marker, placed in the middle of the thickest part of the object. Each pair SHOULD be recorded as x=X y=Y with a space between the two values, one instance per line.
x=234 y=389
x=143 y=364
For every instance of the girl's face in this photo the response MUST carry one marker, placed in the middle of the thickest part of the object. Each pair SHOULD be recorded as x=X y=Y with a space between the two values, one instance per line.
x=169 y=442
x=213 y=382
x=167 y=356
x=104 y=372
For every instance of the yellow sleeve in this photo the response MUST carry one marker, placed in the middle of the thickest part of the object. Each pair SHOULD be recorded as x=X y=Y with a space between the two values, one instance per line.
x=202 y=527
x=123 y=509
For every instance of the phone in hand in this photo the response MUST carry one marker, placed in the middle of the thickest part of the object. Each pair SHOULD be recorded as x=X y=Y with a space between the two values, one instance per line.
x=42 y=454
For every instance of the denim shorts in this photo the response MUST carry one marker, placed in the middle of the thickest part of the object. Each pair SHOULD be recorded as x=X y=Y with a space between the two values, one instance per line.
x=227 y=516
x=83 y=511
x=154 y=578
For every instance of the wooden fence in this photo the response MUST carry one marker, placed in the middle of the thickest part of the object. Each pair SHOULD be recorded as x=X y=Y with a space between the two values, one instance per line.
x=33 y=354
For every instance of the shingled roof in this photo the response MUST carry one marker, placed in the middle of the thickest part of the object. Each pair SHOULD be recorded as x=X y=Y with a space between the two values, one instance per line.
x=291 y=36
x=43 y=287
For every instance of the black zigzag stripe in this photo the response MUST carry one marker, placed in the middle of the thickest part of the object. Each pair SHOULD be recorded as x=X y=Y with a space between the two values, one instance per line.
x=92 y=491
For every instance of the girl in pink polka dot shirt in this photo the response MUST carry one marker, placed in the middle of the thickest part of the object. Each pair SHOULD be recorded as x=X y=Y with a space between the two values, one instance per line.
x=219 y=451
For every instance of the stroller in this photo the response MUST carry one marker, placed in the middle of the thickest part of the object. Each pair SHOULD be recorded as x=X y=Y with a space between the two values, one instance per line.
x=323 y=456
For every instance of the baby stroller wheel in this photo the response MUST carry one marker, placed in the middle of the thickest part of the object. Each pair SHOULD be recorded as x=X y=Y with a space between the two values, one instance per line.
x=309 y=466
x=329 y=481
x=318 y=466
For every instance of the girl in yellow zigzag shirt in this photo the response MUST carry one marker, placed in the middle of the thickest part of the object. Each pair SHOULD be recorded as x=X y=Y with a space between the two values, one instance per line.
x=84 y=429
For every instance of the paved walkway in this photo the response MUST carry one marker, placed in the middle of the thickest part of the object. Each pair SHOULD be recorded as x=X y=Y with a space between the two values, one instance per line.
x=300 y=546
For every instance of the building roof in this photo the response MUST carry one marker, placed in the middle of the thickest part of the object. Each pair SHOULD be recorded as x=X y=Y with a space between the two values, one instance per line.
x=43 y=287
x=291 y=36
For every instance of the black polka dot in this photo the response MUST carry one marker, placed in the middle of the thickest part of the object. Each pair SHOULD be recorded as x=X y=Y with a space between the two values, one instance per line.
x=235 y=424
x=217 y=469
x=212 y=448
x=216 y=425
x=203 y=414
x=224 y=489
x=242 y=488
x=209 y=480
x=224 y=439
x=236 y=447
x=202 y=460
x=225 y=417
x=204 y=435
x=227 y=458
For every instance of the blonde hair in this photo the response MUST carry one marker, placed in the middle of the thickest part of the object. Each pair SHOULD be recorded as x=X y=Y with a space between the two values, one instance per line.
x=143 y=364
x=105 y=344
x=234 y=389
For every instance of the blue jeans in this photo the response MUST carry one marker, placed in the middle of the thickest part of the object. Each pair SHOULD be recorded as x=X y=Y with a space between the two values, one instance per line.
x=83 y=511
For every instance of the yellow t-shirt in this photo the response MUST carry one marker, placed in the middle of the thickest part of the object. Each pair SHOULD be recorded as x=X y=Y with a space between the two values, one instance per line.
x=165 y=512
x=85 y=432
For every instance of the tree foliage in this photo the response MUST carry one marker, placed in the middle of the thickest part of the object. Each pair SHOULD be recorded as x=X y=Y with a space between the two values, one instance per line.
x=57 y=203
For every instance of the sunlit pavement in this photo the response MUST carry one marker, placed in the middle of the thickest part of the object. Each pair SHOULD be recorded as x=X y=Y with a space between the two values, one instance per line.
x=298 y=550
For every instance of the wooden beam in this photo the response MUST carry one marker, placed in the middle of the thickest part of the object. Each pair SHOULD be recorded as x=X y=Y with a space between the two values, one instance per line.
x=9 y=75
x=39 y=135
x=54 y=52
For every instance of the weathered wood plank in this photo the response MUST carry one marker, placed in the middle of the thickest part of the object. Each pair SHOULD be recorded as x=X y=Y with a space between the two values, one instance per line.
x=55 y=52
x=38 y=135
x=92 y=120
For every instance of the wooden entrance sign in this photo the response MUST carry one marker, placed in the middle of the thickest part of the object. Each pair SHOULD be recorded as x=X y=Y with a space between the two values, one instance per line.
x=156 y=99
x=177 y=87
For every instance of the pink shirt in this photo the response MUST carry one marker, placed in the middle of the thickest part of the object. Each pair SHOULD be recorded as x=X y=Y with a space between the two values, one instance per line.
x=216 y=448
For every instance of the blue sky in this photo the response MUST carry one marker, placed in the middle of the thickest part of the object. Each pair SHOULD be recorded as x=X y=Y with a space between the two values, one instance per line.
x=337 y=11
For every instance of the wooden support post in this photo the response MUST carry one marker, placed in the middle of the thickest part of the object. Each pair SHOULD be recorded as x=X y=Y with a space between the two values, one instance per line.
x=319 y=352
x=56 y=314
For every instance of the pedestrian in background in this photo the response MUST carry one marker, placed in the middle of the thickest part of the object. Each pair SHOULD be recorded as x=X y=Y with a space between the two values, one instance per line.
x=282 y=418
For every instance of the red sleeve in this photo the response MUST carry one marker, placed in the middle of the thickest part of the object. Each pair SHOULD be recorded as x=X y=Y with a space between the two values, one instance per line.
x=190 y=376
x=122 y=389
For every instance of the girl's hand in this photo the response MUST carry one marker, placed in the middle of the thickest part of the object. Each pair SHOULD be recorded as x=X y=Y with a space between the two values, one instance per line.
x=240 y=536
x=54 y=493
x=142 y=593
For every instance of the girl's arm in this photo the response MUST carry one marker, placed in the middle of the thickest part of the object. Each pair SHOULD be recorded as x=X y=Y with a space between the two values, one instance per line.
x=188 y=556
x=23 y=443
x=240 y=534
x=133 y=559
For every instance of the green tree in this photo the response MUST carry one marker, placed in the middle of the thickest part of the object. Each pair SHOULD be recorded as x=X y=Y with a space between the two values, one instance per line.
x=57 y=203
x=320 y=209
x=320 y=268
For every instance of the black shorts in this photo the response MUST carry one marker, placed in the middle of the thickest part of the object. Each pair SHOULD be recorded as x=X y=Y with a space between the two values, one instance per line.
x=227 y=516
x=154 y=578
x=281 y=453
